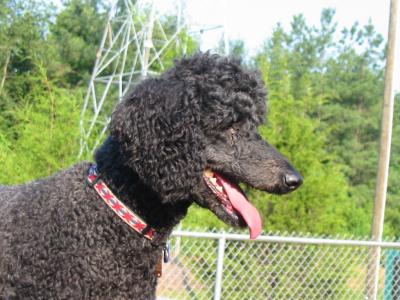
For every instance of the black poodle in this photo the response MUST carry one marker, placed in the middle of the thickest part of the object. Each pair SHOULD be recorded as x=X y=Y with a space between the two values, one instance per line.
x=96 y=231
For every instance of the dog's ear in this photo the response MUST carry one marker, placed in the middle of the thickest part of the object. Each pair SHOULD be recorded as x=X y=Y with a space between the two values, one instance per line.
x=157 y=126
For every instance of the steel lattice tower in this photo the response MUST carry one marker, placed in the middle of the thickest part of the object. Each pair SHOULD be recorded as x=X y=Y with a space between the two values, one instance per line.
x=133 y=46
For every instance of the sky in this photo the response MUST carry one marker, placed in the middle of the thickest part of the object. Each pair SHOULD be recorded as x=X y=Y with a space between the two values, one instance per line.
x=254 y=20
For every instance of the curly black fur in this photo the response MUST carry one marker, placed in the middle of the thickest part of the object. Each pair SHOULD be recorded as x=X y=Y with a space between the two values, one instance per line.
x=162 y=122
x=58 y=240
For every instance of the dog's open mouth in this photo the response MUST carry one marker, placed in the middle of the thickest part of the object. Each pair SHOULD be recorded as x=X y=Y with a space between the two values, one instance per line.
x=234 y=201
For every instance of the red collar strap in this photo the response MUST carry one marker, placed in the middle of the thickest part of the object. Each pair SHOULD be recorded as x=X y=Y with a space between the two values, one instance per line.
x=121 y=210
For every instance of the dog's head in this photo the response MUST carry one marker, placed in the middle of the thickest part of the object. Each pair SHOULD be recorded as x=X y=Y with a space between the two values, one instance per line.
x=191 y=135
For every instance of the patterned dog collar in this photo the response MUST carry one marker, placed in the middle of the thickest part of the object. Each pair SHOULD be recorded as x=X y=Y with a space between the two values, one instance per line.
x=129 y=217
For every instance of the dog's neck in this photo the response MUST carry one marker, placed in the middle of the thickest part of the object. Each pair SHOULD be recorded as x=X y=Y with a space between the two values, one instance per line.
x=131 y=190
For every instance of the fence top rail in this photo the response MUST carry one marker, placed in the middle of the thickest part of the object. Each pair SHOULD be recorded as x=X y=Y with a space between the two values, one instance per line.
x=285 y=239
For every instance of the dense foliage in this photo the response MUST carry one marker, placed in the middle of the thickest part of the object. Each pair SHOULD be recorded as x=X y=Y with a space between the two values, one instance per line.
x=325 y=96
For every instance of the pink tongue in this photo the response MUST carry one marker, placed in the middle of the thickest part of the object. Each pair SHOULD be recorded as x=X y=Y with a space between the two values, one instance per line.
x=248 y=212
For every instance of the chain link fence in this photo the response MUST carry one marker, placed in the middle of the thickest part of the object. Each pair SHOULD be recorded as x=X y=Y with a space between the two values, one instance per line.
x=229 y=267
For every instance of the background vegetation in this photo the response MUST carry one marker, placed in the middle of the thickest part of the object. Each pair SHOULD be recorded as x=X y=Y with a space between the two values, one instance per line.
x=325 y=95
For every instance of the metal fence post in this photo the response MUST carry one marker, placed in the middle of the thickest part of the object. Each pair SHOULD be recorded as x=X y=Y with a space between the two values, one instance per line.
x=220 y=268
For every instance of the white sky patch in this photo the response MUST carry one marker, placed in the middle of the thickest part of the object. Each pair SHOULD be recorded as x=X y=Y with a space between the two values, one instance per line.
x=254 y=20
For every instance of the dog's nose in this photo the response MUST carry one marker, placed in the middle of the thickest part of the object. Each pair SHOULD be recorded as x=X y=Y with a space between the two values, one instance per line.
x=293 y=180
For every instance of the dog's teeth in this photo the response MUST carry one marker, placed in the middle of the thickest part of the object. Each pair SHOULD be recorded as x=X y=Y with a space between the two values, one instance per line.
x=213 y=180
x=219 y=188
x=209 y=173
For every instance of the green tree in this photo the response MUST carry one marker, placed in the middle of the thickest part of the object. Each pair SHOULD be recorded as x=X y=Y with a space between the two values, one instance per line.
x=322 y=204
x=339 y=88
x=308 y=47
x=352 y=111
x=22 y=41
x=48 y=133
x=392 y=220
x=237 y=48
x=77 y=33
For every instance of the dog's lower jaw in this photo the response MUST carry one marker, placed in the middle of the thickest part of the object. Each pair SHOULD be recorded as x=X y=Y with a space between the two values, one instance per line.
x=206 y=199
